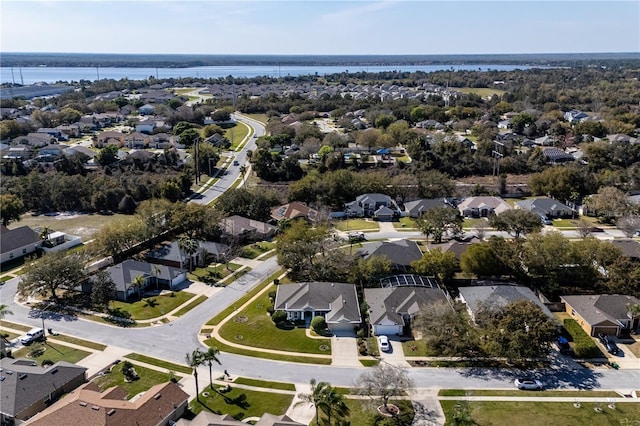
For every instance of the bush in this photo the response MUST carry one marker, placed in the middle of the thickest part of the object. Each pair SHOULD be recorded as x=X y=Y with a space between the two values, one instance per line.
x=362 y=349
x=318 y=324
x=585 y=347
x=46 y=362
x=279 y=316
x=272 y=295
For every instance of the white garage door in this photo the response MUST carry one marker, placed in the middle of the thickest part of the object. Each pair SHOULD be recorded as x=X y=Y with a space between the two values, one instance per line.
x=345 y=326
x=388 y=330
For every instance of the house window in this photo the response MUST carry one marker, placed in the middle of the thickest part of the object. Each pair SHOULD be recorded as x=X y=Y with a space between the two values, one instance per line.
x=24 y=251
x=10 y=255
x=573 y=313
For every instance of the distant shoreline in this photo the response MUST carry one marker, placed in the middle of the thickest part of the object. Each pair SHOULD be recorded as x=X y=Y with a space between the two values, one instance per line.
x=24 y=59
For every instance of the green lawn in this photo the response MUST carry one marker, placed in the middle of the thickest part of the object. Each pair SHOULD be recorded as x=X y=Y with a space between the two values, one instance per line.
x=369 y=362
x=253 y=327
x=191 y=305
x=9 y=335
x=14 y=326
x=265 y=384
x=212 y=342
x=417 y=348
x=83 y=225
x=536 y=394
x=241 y=403
x=483 y=92
x=356 y=225
x=213 y=273
x=254 y=250
x=147 y=309
x=80 y=342
x=469 y=223
x=52 y=351
x=405 y=223
x=229 y=310
x=147 y=379
x=159 y=363
x=259 y=117
x=236 y=134
x=543 y=413
x=363 y=412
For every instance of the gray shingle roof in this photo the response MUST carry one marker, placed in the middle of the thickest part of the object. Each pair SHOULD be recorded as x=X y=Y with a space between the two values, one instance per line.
x=391 y=303
x=24 y=384
x=338 y=299
x=16 y=238
x=598 y=308
x=630 y=248
x=543 y=205
x=124 y=273
x=400 y=253
x=418 y=206
x=498 y=296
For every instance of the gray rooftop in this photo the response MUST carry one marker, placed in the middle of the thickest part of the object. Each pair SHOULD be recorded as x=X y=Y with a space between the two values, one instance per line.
x=498 y=296
x=124 y=273
x=338 y=299
x=391 y=303
x=24 y=384
x=601 y=307
x=401 y=252
x=542 y=205
x=15 y=238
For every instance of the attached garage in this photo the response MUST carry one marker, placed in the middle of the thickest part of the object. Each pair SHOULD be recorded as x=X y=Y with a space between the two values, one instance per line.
x=387 y=329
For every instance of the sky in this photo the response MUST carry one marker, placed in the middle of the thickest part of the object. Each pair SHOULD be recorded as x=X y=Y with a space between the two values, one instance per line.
x=419 y=27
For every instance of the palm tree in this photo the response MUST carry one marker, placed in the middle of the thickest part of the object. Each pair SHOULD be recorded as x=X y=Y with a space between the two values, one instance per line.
x=333 y=401
x=189 y=246
x=316 y=397
x=195 y=360
x=208 y=357
x=45 y=231
x=138 y=282
x=155 y=270
x=4 y=311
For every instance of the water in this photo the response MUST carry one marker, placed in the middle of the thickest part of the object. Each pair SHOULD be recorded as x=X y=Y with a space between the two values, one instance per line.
x=31 y=75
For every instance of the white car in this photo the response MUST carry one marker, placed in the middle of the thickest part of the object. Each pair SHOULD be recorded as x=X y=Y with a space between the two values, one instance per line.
x=527 y=383
x=383 y=341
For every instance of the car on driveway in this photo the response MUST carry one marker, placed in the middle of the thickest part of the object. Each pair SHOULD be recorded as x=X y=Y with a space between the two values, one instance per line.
x=383 y=341
x=609 y=344
x=528 y=383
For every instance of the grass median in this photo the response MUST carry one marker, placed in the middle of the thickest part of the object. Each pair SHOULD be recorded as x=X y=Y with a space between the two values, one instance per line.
x=191 y=305
x=170 y=366
x=524 y=393
x=265 y=384
x=212 y=342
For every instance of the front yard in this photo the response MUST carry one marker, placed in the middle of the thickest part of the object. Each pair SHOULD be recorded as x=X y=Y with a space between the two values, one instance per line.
x=53 y=352
x=213 y=274
x=539 y=413
x=347 y=225
x=240 y=403
x=256 y=249
x=146 y=379
x=253 y=327
x=152 y=307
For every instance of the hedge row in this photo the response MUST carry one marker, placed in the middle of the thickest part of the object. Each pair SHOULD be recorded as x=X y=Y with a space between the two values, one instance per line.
x=585 y=347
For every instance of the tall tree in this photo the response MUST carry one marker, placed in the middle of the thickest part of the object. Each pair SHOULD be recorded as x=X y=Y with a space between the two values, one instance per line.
x=11 y=207
x=436 y=263
x=315 y=398
x=333 y=402
x=195 y=360
x=138 y=283
x=384 y=381
x=609 y=203
x=438 y=221
x=188 y=247
x=52 y=272
x=209 y=356
x=516 y=222
x=103 y=289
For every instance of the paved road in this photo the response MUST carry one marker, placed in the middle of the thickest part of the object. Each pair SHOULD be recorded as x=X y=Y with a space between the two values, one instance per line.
x=228 y=177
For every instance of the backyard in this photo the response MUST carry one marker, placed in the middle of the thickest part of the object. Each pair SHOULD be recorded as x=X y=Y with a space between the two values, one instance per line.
x=83 y=225
x=252 y=326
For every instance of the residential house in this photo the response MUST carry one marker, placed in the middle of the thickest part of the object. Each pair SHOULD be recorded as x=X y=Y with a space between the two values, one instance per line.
x=79 y=149
x=17 y=243
x=34 y=139
x=400 y=253
x=218 y=141
x=171 y=255
x=19 y=152
x=163 y=141
x=109 y=138
x=621 y=138
x=206 y=418
x=53 y=132
x=545 y=207
x=367 y=205
x=336 y=302
x=51 y=152
x=69 y=131
x=603 y=313
x=575 y=116
x=160 y=405
x=136 y=140
x=28 y=388
x=483 y=206
x=418 y=207
x=497 y=295
x=294 y=210
x=123 y=275
x=458 y=248
x=544 y=141
x=556 y=155
x=245 y=229
x=629 y=248
x=392 y=309
x=146 y=125
x=146 y=109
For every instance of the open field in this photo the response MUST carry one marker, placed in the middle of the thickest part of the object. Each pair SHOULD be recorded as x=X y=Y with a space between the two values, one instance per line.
x=481 y=91
x=82 y=225
x=542 y=413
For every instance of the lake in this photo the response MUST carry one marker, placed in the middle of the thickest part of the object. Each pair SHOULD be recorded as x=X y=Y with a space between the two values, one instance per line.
x=31 y=75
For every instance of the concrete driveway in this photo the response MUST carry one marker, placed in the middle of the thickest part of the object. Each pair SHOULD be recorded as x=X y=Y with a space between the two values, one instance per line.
x=344 y=349
x=395 y=355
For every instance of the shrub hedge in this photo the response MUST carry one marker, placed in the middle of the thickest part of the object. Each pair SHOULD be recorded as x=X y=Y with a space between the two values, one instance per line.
x=584 y=347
